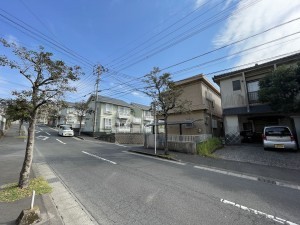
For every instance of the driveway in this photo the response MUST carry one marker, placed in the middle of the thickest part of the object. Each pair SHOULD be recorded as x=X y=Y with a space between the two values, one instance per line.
x=254 y=153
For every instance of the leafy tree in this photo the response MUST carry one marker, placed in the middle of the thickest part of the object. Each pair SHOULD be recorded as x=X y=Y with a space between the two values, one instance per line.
x=281 y=89
x=81 y=110
x=166 y=96
x=18 y=110
x=49 y=79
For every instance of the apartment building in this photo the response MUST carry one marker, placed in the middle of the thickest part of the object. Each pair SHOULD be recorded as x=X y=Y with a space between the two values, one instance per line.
x=116 y=116
x=69 y=115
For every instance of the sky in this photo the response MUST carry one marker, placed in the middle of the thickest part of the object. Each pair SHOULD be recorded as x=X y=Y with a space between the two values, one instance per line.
x=131 y=37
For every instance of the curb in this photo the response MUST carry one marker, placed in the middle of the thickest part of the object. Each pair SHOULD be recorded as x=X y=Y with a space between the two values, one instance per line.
x=79 y=137
x=152 y=155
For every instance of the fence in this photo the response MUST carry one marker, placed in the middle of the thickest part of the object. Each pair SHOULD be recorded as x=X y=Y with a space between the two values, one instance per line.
x=179 y=143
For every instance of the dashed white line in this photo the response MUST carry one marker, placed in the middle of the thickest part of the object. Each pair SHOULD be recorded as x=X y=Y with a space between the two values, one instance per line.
x=156 y=158
x=61 y=141
x=268 y=216
x=47 y=133
x=98 y=157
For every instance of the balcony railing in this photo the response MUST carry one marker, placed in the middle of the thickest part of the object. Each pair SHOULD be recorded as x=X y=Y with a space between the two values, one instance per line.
x=148 y=117
x=123 y=115
x=136 y=120
x=253 y=97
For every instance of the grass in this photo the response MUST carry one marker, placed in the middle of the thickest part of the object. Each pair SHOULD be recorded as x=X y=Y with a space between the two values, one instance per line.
x=207 y=147
x=11 y=192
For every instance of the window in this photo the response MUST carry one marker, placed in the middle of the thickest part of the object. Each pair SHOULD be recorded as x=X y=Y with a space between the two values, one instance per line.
x=108 y=108
x=236 y=84
x=124 y=111
x=214 y=123
x=107 y=123
x=253 y=88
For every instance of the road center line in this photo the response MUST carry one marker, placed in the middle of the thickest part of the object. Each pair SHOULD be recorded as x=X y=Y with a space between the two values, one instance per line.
x=271 y=217
x=47 y=133
x=156 y=158
x=61 y=141
x=98 y=157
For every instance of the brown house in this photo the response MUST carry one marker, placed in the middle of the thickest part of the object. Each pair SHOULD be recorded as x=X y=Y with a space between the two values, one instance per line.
x=205 y=114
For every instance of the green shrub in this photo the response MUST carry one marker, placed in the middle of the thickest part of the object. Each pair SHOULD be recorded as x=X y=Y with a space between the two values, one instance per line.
x=207 y=147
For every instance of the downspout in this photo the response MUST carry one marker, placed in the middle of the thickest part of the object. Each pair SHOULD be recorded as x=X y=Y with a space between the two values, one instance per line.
x=246 y=91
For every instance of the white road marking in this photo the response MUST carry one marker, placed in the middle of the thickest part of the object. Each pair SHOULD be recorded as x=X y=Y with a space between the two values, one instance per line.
x=156 y=158
x=61 y=141
x=227 y=173
x=98 y=157
x=44 y=138
x=248 y=177
x=76 y=138
x=121 y=145
x=47 y=133
x=268 y=216
x=41 y=129
x=37 y=131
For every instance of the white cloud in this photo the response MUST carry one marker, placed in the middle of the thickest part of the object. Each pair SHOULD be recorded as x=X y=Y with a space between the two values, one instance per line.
x=264 y=15
x=12 y=39
x=199 y=3
x=137 y=94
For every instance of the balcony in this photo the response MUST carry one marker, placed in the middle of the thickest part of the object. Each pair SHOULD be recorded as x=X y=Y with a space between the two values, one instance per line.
x=136 y=120
x=123 y=130
x=253 y=97
x=123 y=115
x=148 y=117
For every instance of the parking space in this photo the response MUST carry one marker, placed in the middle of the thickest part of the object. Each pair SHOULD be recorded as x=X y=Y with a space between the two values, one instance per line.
x=254 y=153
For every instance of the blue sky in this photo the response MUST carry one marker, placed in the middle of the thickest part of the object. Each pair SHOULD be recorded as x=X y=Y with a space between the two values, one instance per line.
x=131 y=37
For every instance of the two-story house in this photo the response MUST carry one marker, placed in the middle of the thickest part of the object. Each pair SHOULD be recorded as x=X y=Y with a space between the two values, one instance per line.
x=241 y=108
x=69 y=115
x=116 y=116
x=142 y=116
x=205 y=113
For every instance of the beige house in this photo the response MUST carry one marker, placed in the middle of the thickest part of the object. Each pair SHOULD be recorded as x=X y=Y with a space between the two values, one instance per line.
x=205 y=109
x=242 y=111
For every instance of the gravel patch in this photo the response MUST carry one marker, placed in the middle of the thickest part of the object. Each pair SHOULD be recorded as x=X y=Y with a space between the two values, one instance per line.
x=256 y=154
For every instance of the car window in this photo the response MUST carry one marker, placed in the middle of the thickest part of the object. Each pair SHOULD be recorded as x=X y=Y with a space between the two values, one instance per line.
x=278 y=131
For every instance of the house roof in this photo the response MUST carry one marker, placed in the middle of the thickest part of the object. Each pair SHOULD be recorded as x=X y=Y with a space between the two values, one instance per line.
x=199 y=77
x=113 y=101
x=296 y=56
x=143 y=107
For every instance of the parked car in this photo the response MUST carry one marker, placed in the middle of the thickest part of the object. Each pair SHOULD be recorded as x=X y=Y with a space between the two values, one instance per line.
x=65 y=130
x=278 y=137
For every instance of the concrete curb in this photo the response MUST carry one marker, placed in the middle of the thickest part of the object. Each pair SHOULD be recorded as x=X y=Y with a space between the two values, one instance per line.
x=79 y=137
x=157 y=156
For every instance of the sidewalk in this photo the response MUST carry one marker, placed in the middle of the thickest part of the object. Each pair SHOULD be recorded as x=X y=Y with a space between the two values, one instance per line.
x=12 y=151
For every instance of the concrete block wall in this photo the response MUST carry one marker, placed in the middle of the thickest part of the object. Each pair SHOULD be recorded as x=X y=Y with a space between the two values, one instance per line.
x=128 y=138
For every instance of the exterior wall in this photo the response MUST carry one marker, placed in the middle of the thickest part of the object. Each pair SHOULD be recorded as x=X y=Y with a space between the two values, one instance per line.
x=69 y=116
x=297 y=128
x=230 y=98
x=232 y=130
x=205 y=109
x=129 y=138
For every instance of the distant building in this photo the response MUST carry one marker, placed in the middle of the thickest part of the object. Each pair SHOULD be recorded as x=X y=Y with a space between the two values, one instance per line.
x=69 y=115
x=117 y=116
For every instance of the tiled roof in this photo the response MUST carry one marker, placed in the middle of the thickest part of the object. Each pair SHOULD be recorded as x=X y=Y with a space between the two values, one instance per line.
x=143 y=107
x=114 y=101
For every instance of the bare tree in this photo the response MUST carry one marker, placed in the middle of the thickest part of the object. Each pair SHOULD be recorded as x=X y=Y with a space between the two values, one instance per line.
x=81 y=110
x=48 y=78
x=166 y=96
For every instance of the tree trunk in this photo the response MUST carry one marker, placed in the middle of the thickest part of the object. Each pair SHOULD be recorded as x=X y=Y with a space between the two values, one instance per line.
x=20 y=126
x=166 y=136
x=25 y=172
x=79 y=127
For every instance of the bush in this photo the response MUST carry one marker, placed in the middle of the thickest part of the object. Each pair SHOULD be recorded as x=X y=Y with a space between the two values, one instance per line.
x=207 y=147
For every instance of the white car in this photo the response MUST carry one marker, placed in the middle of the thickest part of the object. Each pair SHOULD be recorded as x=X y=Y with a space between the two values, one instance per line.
x=278 y=137
x=65 y=130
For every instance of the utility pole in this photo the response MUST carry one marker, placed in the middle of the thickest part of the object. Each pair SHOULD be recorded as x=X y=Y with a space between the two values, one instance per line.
x=97 y=70
x=155 y=131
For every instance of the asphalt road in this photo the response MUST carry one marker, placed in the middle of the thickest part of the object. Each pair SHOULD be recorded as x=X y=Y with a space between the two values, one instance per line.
x=117 y=187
